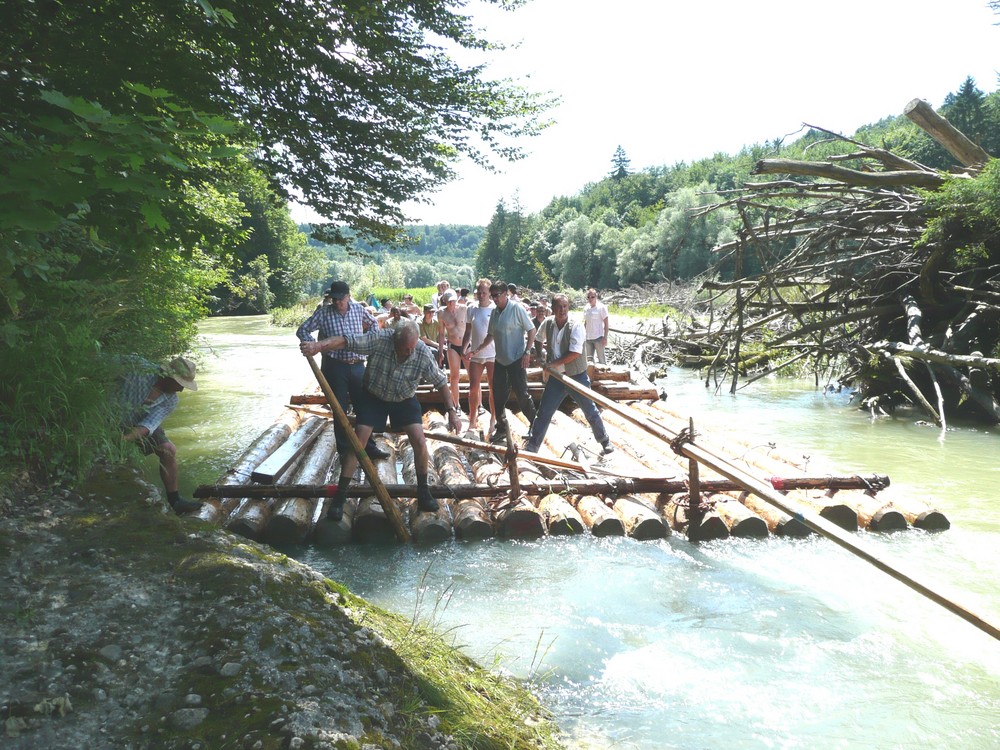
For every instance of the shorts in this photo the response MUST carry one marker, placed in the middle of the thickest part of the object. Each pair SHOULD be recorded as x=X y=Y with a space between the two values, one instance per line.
x=373 y=412
x=151 y=442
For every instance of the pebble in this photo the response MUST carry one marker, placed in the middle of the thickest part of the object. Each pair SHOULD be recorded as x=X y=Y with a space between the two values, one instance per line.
x=185 y=719
x=111 y=652
x=192 y=699
x=296 y=743
x=231 y=669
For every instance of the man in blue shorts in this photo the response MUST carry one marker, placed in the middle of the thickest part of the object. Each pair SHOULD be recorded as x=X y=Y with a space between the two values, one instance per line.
x=398 y=361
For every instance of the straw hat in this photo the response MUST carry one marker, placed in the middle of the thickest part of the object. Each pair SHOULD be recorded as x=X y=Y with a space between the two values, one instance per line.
x=182 y=370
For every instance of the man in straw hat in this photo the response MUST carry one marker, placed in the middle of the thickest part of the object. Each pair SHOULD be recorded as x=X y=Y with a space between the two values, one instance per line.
x=147 y=395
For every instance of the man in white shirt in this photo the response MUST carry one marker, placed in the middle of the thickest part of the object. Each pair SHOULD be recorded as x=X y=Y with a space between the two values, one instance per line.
x=597 y=322
x=563 y=349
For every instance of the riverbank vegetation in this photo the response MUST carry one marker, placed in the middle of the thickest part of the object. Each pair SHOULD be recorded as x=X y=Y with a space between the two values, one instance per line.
x=149 y=150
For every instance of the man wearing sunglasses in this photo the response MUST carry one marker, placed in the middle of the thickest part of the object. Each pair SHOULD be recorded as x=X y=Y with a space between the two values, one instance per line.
x=513 y=334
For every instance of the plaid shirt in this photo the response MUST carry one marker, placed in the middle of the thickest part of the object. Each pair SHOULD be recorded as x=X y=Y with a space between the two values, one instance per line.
x=391 y=380
x=329 y=323
x=131 y=397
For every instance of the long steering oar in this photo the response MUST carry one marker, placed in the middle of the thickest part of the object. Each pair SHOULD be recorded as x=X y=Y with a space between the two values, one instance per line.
x=763 y=490
x=391 y=511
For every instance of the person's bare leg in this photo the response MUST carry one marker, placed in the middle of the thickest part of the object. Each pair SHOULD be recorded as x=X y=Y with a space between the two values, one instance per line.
x=415 y=432
x=475 y=392
x=167 y=455
x=454 y=369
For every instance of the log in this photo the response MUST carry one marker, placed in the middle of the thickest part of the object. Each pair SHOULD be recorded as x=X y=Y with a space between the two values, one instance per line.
x=516 y=518
x=278 y=462
x=371 y=522
x=742 y=522
x=426 y=528
x=640 y=521
x=899 y=178
x=292 y=521
x=469 y=517
x=919 y=514
x=599 y=518
x=873 y=514
x=561 y=518
x=951 y=138
x=676 y=510
x=778 y=522
x=217 y=510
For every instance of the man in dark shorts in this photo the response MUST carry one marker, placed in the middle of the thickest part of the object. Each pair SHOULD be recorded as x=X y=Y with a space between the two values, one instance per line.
x=147 y=395
x=397 y=363
x=344 y=371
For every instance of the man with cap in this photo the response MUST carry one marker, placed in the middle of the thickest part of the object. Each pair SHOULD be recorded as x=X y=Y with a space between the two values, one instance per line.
x=146 y=395
x=344 y=371
x=429 y=331
x=513 y=334
x=399 y=362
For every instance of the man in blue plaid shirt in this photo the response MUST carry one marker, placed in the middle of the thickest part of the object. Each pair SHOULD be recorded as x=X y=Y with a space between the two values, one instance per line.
x=398 y=362
x=344 y=371
x=146 y=396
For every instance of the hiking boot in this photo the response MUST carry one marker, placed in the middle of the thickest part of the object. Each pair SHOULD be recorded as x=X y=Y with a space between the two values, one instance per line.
x=336 y=510
x=530 y=447
x=499 y=437
x=426 y=502
x=375 y=453
x=182 y=506
x=607 y=447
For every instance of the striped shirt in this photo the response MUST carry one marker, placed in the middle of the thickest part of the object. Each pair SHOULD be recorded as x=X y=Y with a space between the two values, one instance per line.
x=131 y=396
x=391 y=380
x=329 y=323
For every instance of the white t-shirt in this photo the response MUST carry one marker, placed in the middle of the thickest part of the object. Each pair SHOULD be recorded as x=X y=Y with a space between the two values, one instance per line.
x=593 y=319
x=479 y=318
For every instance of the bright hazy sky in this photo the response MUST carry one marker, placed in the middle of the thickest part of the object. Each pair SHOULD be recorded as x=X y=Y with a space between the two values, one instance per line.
x=678 y=81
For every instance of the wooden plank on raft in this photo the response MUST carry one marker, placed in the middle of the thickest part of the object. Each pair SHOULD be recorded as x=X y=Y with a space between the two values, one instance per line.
x=278 y=462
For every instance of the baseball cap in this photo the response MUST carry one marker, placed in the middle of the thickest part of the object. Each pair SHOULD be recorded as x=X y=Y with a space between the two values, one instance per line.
x=339 y=290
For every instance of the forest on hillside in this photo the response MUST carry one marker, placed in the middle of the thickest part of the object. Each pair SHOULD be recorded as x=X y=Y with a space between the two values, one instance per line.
x=646 y=225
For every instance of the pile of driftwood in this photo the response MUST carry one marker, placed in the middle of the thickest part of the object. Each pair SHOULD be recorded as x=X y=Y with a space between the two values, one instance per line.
x=850 y=284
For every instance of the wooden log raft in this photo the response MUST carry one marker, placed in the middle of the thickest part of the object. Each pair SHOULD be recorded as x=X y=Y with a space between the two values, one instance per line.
x=292 y=520
x=515 y=518
x=639 y=519
x=217 y=510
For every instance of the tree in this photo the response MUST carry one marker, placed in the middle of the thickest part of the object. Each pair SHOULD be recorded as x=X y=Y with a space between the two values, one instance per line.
x=354 y=108
x=619 y=165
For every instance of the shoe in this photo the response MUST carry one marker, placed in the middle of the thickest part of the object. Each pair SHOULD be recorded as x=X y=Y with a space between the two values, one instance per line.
x=183 y=506
x=336 y=511
x=375 y=453
x=607 y=447
x=426 y=502
x=530 y=448
x=499 y=437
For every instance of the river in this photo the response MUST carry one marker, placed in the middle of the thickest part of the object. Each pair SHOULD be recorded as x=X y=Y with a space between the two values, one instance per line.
x=730 y=644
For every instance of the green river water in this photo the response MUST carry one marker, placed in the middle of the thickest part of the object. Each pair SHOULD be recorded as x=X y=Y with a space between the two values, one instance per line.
x=730 y=644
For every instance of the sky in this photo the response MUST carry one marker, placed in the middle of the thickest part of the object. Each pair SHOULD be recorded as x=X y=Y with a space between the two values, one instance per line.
x=679 y=81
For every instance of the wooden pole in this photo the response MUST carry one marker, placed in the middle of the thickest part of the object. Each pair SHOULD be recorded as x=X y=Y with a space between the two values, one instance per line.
x=391 y=511
x=767 y=493
x=592 y=486
x=501 y=450
x=694 y=492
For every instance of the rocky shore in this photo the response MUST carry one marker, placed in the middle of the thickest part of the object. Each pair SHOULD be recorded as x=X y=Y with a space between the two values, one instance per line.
x=127 y=627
